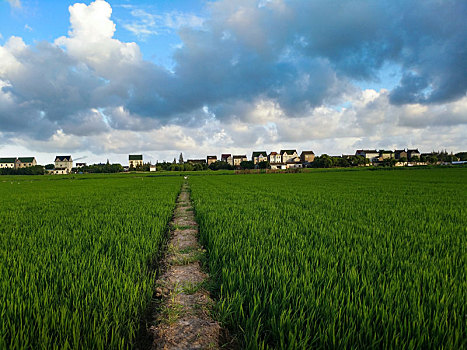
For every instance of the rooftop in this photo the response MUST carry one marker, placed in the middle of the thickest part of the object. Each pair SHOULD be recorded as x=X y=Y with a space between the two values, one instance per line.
x=135 y=157
x=63 y=158
x=288 y=151
x=7 y=160
x=260 y=153
x=26 y=159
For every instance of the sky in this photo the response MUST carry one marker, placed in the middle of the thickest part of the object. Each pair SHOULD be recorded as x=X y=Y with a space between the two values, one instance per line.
x=103 y=79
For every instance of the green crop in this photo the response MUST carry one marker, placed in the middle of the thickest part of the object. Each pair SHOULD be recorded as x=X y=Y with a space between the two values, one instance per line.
x=77 y=258
x=338 y=259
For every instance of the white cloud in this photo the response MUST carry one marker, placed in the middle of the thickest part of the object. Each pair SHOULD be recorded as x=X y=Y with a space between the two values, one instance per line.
x=91 y=39
x=15 y=3
x=147 y=23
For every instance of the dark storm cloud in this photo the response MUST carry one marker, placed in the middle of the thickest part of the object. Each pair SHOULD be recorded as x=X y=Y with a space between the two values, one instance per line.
x=300 y=54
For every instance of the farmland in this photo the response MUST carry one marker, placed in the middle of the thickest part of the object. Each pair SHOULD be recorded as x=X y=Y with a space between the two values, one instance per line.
x=369 y=259
x=77 y=258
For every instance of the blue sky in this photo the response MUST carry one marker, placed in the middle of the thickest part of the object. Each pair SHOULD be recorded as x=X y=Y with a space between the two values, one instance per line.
x=101 y=79
x=46 y=20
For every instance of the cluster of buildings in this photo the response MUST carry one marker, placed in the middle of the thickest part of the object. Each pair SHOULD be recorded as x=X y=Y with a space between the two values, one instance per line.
x=17 y=163
x=285 y=159
x=290 y=158
x=62 y=165
x=378 y=156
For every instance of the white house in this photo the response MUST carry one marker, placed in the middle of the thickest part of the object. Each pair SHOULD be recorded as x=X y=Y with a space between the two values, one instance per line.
x=370 y=154
x=135 y=160
x=63 y=165
x=289 y=154
x=274 y=158
x=258 y=157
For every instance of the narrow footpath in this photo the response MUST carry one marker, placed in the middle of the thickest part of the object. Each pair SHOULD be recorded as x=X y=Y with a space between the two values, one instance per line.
x=183 y=319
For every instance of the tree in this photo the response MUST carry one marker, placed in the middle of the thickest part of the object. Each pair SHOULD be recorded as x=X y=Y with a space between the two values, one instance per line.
x=432 y=159
x=264 y=165
x=390 y=162
x=414 y=159
x=452 y=158
x=33 y=170
x=340 y=162
x=357 y=160
x=461 y=156
x=198 y=167
x=50 y=166
x=218 y=165
x=323 y=161
x=403 y=159
x=247 y=164
x=188 y=167
x=180 y=159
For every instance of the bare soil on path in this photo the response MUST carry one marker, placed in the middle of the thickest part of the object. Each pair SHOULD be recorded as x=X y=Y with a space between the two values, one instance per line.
x=183 y=319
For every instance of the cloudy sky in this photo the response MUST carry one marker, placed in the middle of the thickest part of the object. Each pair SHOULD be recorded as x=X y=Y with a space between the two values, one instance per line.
x=103 y=79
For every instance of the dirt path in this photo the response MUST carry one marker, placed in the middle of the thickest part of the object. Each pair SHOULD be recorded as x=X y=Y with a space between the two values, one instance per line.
x=183 y=320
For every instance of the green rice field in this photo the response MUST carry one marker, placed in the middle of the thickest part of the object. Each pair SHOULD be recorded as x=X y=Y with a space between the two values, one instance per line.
x=76 y=258
x=318 y=260
x=355 y=259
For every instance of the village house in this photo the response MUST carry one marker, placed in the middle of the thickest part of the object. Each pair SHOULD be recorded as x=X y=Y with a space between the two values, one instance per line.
x=227 y=157
x=26 y=162
x=274 y=158
x=288 y=154
x=135 y=160
x=294 y=162
x=258 y=157
x=400 y=153
x=80 y=165
x=152 y=168
x=411 y=153
x=238 y=159
x=211 y=159
x=385 y=155
x=63 y=165
x=9 y=163
x=307 y=156
x=372 y=154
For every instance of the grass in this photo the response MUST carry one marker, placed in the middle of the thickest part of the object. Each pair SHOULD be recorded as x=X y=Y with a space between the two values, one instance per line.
x=183 y=227
x=188 y=258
